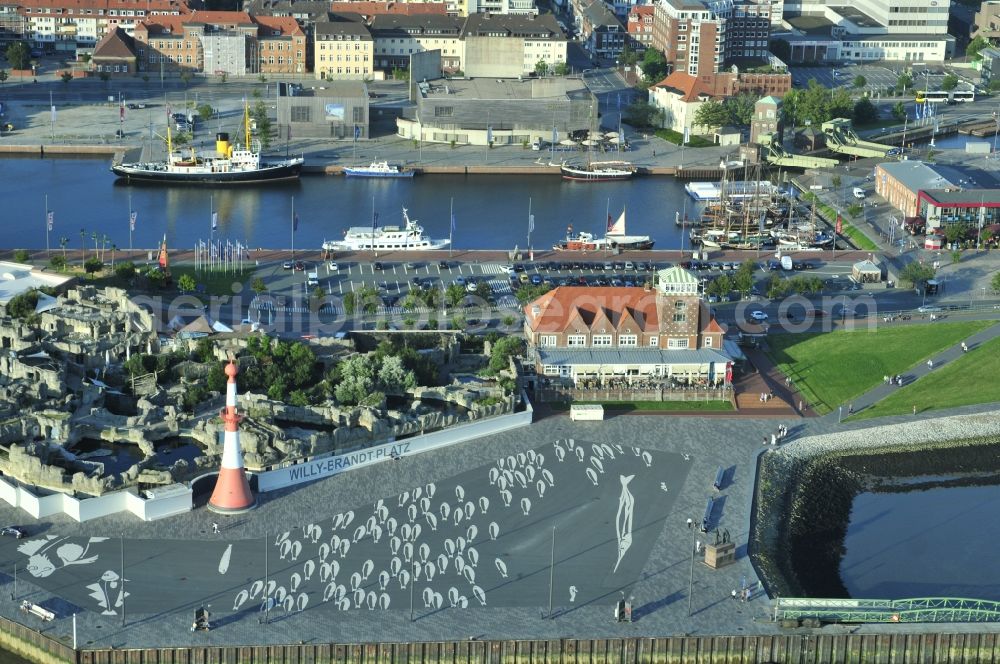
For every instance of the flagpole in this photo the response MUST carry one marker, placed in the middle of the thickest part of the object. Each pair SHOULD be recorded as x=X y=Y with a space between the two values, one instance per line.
x=46 y=225
x=374 y=217
x=451 y=232
x=531 y=224
x=130 y=223
x=293 y=228
x=211 y=228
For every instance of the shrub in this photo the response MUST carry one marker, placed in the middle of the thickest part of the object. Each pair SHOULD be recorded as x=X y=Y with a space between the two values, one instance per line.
x=93 y=265
x=22 y=256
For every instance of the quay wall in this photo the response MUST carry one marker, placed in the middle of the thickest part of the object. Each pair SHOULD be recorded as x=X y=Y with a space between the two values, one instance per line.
x=796 y=648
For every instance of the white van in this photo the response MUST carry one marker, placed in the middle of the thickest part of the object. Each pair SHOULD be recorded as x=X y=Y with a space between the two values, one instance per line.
x=859 y=193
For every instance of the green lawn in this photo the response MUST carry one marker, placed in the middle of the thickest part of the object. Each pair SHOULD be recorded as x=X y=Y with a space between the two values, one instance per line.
x=676 y=406
x=214 y=283
x=834 y=367
x=676 y=137
x=968 y=380
x=848 y=230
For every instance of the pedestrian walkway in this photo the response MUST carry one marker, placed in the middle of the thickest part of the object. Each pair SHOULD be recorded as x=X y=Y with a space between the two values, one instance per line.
x=916 y=372
x=768 y=379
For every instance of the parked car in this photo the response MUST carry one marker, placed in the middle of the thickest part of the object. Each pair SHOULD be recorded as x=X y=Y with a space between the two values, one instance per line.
x=377 y=266
x=334 y=267
x=17 y=532
x=759 y=316
x=300 y=266
x=287 y=265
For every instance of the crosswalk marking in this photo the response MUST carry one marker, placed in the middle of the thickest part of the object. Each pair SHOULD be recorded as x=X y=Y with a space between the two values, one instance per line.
x=493 y=268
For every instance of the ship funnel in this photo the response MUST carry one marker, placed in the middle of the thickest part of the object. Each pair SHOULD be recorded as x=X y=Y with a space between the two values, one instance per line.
x=222 y=143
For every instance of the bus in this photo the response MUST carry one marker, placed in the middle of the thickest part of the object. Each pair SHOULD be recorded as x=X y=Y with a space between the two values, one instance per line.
x=936 y=96
x=931 y=96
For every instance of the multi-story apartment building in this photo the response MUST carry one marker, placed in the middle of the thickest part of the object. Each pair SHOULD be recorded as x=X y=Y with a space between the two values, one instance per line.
x=701 y=37
x=67 y=24
x=343 y=50
x=640 y=27
x=218 y=42
x=511 y=45
x=12 y=23
x=398 y=36
x=470 y=7
x=601 y=31
x=281 y=45
x=211 y=42
x=987 y=21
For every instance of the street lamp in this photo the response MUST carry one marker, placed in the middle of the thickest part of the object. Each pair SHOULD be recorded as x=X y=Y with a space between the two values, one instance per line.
x=996 y=120
x=694 y=533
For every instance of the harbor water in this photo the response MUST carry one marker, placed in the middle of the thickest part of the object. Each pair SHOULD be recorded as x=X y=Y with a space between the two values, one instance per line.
x=936 y=542
x=490 y=211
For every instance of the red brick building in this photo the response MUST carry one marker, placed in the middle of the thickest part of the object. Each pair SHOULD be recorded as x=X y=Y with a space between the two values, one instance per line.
x=668 y=331
x=640 y=27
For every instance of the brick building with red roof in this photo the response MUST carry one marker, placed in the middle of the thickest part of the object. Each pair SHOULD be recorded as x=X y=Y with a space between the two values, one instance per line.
x=667 y=331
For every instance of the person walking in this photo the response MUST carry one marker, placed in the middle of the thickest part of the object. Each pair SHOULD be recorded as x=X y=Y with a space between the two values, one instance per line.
x=690 y=523
x=733 y=593
x=930 y=365
x=914 y=409
x=965 y=349
x=215 y=528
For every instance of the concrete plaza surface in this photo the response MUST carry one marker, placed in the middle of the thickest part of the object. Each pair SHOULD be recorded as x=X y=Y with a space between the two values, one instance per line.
x=177 y=564
x=179 y=559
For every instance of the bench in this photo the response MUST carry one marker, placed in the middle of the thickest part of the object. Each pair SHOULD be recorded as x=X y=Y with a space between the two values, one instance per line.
x=37 y=611
x=706 y=520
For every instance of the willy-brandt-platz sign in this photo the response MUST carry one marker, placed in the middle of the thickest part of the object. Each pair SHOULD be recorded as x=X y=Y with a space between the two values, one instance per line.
x=331 y=465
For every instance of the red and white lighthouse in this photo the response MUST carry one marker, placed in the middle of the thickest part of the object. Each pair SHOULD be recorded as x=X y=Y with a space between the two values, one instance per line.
x=232 y=490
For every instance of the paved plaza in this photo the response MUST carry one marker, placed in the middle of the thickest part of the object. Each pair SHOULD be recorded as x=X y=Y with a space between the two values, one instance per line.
x=466 y=532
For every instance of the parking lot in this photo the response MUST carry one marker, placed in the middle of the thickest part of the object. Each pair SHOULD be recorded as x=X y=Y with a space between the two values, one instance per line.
x=495 y=284
x=878 y=80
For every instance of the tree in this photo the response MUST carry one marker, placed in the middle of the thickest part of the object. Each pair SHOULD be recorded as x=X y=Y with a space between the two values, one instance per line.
x=394 y=377
x=711 y=114
x=23 y=305
x=3 y=75
x=975 y=46
x=836 y=181
x=560 y=69
x=654 y=66
x=66 y=77
x=503 y=349
x=263 y=122
x=454 y=294
x=628 y=56
x=205 y=112
x=357 y=380
x=258 y=286
x=155 y=276
x=93 y=265
x=955 y=232
x=104 y=76
x=864 y=111
x=949 y=82
x=19 y=55
x=643 y=114
x=915 y=273
x=185 y=77
x=22 y=256
x=904 y=80
x=740 y=109
x=899 y=111
x=58 y=262
x=995 y=282
x=483 y=290
x=743 y=279
x=860 y=81
x=186 y=283
x=125 y=270
x=541 y=68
